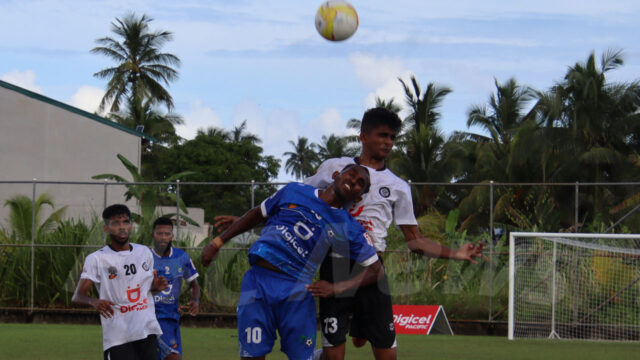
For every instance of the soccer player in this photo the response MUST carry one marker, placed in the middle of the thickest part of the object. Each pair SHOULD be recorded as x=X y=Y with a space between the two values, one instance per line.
x=175 y=265
x=302 y=222
x=124 y=277
x=389 y=200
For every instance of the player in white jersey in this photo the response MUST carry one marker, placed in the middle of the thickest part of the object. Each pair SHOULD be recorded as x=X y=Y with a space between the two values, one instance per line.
x=124 y=277
x=389 y=200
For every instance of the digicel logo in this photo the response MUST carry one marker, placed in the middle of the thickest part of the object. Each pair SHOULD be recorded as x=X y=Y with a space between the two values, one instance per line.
x=412 y=321
x=135 y=307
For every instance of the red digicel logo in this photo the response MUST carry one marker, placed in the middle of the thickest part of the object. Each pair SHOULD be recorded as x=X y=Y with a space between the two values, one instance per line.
x=414 y=319
x=134 y=295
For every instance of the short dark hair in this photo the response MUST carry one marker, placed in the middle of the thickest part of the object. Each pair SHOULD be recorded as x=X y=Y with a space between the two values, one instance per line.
x=375 y=117
x=115 y=209
x=349 y=166
x=162 y=221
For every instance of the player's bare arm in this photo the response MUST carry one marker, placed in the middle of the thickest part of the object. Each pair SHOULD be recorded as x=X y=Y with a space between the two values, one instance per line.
x=193 y=307
x=159 y=282
x=325 y=289
x=81 y=297
x=246 y=222
x=419 y=244
x=222 y=222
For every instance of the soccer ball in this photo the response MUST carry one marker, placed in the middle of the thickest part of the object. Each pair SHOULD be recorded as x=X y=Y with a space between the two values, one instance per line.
x=336 y=20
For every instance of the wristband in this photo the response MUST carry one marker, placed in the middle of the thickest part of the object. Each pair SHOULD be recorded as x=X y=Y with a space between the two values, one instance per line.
x=217 y=242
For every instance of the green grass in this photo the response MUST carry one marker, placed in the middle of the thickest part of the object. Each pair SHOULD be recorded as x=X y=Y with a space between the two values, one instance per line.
x=44 y=341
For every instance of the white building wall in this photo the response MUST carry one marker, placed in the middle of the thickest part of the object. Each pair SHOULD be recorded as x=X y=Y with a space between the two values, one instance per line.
x=41 y=140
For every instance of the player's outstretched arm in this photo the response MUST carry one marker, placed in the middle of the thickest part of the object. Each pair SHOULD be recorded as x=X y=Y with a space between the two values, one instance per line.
x=246 y=222
x=81 y=297
x=325 y=289
x=424 y=246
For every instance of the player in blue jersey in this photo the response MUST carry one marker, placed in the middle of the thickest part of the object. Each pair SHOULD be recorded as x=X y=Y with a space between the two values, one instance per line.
x=302 y=223
x=176 y=266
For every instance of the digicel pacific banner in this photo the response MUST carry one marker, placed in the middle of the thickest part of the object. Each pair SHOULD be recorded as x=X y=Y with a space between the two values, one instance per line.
x=414 y=319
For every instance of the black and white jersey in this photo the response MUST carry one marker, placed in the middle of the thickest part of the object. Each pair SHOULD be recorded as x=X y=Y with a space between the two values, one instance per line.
x=388 y=199
x=124 y=277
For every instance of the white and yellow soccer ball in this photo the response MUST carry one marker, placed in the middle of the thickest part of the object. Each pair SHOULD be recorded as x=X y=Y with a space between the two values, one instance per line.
x=336 y=20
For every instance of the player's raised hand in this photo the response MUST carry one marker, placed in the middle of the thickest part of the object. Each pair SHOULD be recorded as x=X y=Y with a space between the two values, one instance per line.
x=222 y=222
x=104 y=307
x=321 y=289
x=470 y=251
x=159 y=282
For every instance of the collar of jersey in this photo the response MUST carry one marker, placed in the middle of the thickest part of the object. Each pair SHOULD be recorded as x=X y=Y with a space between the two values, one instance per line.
x=383 y=168
x=170 y=252
x=116 y=251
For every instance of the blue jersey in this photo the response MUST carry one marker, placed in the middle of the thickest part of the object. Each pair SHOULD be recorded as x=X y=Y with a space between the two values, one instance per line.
x=301 y=228
x=175 y=268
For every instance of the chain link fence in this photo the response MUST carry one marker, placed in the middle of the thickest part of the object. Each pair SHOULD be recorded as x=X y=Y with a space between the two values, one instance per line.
x=41 y=260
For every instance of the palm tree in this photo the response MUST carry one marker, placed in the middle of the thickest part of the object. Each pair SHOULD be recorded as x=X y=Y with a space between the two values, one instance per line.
x=303 y=159
x=21 y=218
x=141 y=67
x=239 y=134
x=335 y=146
x=143 y=113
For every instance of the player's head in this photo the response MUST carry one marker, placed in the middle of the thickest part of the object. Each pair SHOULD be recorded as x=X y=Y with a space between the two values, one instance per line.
x=378 y=131
x=117 y=222
x=351 y=182
x=162 y=234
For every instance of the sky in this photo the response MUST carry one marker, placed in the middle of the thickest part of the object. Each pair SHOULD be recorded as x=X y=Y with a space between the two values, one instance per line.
x=263 y=62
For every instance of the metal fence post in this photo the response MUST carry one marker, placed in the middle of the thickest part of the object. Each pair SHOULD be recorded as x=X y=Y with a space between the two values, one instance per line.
x=409 y=255
x=33 y=242
x=253 y=193
x=577 y=204
x=491 y=235
x=104 y=235
x=178 y=209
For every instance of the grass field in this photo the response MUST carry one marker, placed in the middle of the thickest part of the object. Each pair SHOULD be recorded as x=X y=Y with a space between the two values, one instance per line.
x=80 y=342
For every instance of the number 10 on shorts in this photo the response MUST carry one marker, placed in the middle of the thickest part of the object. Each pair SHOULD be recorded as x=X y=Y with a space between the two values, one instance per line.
x=254 y=335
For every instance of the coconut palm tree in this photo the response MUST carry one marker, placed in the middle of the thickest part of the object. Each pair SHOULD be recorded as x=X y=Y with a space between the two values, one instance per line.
x=303 y=160
x=141 y=67
x=141 y=112
x=21 y=221
x=334 y=146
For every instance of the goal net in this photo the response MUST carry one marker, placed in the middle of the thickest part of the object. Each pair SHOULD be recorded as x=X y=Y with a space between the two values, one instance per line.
x=574 y=286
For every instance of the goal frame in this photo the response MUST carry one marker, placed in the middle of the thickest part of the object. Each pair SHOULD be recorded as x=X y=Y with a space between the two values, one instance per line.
x=512 y=252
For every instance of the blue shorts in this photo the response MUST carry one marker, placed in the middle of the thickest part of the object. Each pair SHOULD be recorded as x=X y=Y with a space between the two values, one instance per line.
x=271 y=301
x=169 y=342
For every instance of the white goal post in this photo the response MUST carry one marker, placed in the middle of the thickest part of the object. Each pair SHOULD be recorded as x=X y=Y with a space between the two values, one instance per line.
x=574 y=286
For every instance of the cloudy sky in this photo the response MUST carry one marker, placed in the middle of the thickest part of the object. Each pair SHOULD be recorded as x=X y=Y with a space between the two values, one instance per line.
x=262 y=61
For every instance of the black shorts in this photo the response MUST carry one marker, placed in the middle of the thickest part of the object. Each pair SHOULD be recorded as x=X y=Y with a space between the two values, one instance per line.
x=143 y=349
x=370 y=307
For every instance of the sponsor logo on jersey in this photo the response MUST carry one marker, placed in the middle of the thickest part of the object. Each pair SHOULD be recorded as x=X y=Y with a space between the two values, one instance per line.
x=139 y=306
x=384 y=192
x=113 y=272
x=133 y=294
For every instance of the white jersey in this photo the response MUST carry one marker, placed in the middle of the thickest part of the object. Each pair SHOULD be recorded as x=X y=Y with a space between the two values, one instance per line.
x=124 y=277
x=388 y=199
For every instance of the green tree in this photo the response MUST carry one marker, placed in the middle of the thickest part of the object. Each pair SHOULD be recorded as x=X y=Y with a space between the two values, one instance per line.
x=141 y=66
x=419 y=147
x=141 y=112
x=334 y=146
x=302 y=161
x=216 y=157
